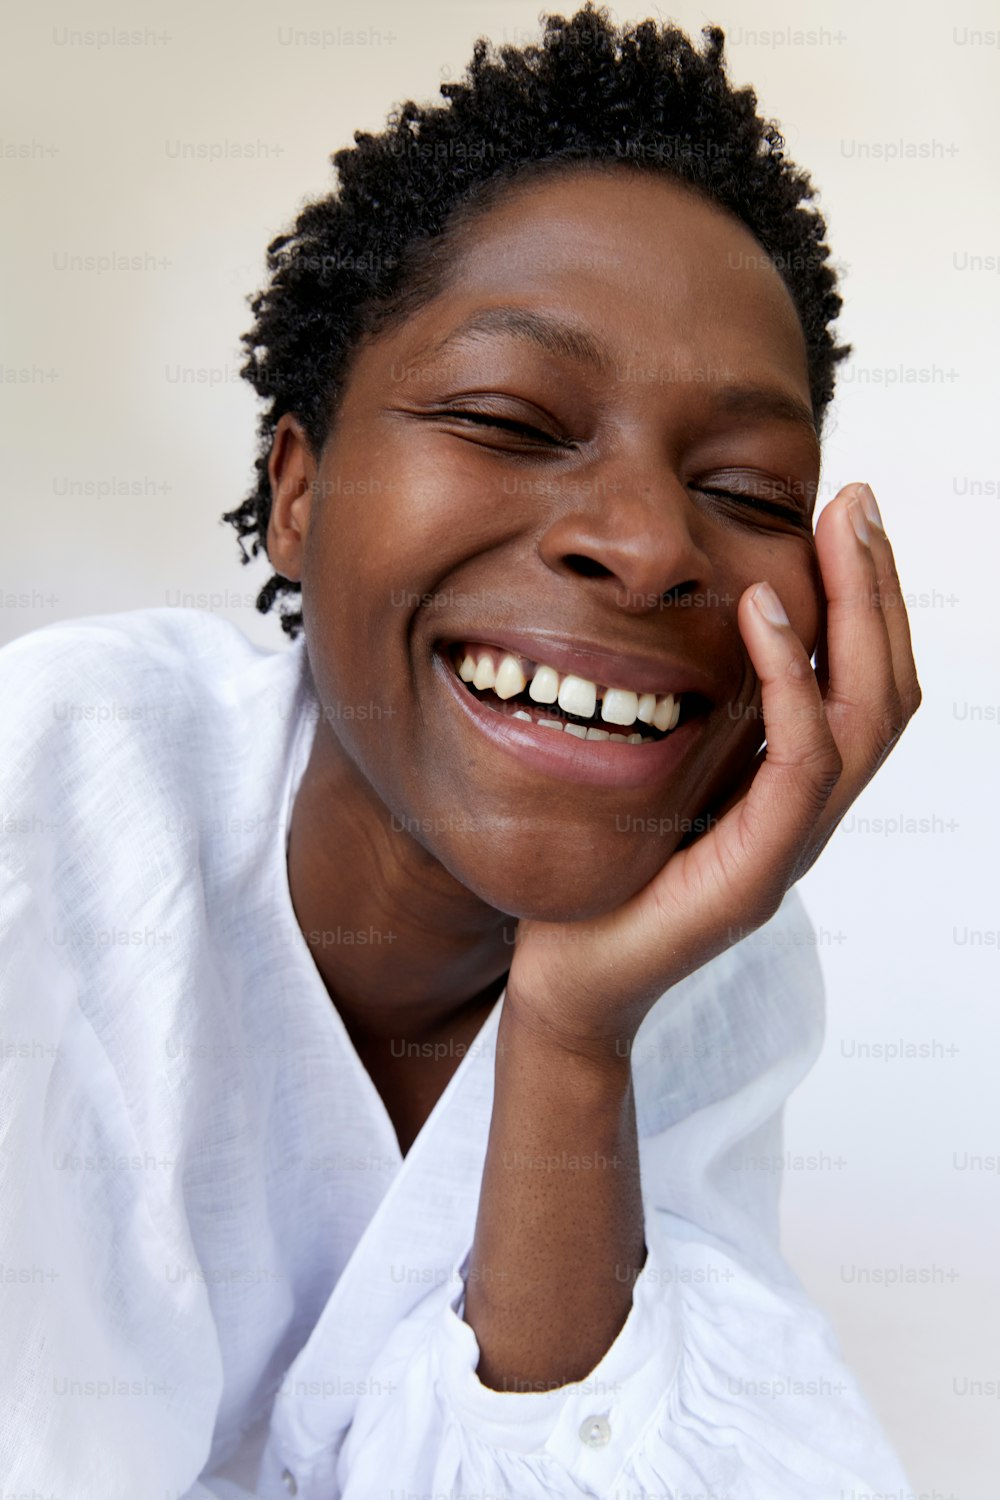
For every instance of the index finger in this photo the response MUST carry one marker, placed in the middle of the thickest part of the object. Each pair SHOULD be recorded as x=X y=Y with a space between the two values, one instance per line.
x=893 y=604
x=862 y=700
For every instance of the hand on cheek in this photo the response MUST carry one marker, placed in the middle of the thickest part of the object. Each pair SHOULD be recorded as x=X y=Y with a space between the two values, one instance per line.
x=827 y=733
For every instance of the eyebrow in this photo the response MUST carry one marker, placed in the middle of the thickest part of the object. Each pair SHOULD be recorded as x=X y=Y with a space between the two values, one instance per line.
x=567 y=341
x=551 y=334
x=762 y=401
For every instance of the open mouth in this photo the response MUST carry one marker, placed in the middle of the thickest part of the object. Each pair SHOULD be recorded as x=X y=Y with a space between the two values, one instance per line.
x=562 y=703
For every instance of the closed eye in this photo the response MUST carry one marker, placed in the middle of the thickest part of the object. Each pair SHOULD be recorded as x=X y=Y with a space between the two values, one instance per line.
x=790 y=513
x=507 y=424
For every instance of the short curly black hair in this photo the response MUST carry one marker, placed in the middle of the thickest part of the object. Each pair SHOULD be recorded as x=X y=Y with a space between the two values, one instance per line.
x=379 y=247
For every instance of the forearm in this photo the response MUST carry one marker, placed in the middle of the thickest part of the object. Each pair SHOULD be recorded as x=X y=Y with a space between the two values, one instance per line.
x=559 y=1236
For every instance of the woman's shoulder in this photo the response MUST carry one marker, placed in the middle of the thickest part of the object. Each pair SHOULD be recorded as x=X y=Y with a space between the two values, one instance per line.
x=189 y=643
x=146 y=763
x=81 y=685
x=125 y=736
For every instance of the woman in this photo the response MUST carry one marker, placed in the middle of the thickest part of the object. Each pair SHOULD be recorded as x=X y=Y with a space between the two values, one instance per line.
x=409 y=1014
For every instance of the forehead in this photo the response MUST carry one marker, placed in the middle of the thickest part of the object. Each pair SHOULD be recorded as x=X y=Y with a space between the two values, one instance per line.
x=660 y=274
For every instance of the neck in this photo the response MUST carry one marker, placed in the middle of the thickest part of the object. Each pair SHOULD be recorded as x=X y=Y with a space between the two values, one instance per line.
x=404 y=949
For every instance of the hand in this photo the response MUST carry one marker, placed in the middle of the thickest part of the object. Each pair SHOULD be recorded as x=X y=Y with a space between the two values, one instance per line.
x=586 y=986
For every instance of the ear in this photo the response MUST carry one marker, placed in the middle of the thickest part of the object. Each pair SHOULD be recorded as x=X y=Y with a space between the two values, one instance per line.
x=291 y=469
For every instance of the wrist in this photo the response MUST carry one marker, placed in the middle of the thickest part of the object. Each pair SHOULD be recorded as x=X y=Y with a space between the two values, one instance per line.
x=530 y=1042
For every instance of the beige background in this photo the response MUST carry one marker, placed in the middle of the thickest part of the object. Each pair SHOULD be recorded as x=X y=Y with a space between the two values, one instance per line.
x=117 y=468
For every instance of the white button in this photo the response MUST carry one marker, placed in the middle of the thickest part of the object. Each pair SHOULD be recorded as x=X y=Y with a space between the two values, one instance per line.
x=288 y=1480
x=595 y=1432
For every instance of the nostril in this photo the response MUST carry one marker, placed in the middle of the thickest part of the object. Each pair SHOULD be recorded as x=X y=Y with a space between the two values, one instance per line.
x=587 y=567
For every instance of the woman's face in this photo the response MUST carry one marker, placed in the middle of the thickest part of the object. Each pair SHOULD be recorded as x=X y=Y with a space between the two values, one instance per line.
x=580 y=454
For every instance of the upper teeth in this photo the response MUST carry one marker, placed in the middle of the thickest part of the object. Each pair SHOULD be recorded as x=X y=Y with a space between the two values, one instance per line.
x=576 y=695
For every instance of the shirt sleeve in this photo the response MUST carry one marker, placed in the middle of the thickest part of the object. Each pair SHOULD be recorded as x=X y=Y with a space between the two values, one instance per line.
x=110 y=1374
x=110 y=1369
x=725 y=1381
x=217 y=1489
x=718 y=1385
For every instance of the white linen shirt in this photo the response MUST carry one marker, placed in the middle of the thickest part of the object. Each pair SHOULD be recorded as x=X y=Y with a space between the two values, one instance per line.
x=220 y=1277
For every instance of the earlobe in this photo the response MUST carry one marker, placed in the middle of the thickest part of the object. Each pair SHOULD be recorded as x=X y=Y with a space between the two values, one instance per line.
x=291 y=469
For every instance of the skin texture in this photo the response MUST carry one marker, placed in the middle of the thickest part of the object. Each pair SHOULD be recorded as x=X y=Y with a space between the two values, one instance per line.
x=414 y=527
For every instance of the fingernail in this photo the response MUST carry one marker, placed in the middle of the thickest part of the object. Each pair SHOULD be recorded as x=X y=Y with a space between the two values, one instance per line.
x=858 y=521
x=769 y=605
x=870 y=507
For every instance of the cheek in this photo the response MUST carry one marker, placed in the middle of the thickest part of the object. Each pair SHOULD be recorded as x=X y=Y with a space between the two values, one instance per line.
x=397 y=515
x=793 y=570
x=805 y=600
x=341 y=583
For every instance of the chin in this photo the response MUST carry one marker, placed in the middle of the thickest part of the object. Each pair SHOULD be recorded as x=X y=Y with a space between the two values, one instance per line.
x=555 y=891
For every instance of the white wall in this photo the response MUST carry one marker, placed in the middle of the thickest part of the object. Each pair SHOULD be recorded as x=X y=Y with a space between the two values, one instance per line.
x=91 y=167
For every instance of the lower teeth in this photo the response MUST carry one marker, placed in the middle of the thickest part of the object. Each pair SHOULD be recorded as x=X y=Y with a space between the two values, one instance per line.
x=579 y=731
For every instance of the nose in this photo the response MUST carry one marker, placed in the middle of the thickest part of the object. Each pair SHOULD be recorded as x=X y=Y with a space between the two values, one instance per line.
x=632 y=536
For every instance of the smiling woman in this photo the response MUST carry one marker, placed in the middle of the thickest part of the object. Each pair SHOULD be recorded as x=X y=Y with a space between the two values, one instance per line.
x=469 y=1025
x=698 y=488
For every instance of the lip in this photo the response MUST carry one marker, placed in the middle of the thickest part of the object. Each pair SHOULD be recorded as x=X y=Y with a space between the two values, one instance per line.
x=638 y=671
x=553 y=752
